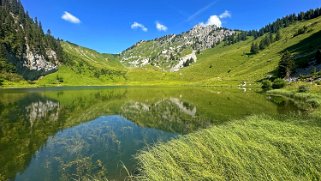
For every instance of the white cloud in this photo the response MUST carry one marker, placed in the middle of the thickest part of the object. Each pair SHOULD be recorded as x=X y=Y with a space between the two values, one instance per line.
x=217 y=20
x=213 y=20
x=225 y=14
x=70 y=18
x=161 y=27
x=136 y=25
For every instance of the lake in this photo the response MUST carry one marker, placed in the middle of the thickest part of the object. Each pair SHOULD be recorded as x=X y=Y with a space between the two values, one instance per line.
x=95 y=132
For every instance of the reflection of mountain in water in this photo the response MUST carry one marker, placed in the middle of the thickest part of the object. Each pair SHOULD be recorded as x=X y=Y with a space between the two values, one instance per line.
x=25 y=126
x=92 y=149
x=172 y=114
x=184 y=106
x=43 y=110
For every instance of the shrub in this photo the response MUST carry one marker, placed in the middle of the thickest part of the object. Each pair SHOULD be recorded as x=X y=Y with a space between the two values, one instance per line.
x=1 y=82
x=303 y=88
x=31 y=82
x=266 y=85
x=318 y=82
x=188 y=62
x=59 y=79
x=314 y=71
x=301 y=31
x=278 y=83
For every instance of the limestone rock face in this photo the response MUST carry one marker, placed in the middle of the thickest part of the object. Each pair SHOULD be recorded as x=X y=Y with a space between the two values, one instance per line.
x=34 y=65
x=171 y=52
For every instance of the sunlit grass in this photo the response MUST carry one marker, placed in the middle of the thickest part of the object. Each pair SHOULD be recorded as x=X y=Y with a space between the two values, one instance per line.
x=256 y=148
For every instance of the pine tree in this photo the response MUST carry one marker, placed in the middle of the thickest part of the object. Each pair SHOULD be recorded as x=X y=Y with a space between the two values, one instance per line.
x=286 y=65
x=262 y=44
x=278 y=36
x=254 y=48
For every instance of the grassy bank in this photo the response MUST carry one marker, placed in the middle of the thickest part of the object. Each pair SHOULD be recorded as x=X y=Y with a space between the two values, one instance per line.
x=257 y=148
x=308 y=101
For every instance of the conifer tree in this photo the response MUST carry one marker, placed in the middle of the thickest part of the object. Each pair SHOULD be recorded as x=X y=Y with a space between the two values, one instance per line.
x=286 y=65
x=254 y=48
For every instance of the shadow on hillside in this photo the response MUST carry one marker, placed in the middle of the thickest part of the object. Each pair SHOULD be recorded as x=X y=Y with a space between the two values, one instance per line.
x=305 y=50
x=307 y=45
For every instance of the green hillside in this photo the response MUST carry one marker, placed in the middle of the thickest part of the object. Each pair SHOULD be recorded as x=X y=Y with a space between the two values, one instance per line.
x=235 y=63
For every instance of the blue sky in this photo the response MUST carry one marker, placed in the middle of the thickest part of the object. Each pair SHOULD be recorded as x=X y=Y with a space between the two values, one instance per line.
x=111 y=26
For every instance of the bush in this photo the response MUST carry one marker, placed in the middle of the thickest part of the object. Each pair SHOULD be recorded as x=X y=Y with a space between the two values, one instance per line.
x=31 y=82
x=1 y=82
x=278 y=83
x=266 y=85
x=59 y=79
x=301 y=31
x=318 y=82
x=303 y=88
x=188 y=62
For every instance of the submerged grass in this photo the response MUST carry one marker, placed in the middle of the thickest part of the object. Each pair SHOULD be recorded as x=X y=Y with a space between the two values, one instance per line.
x=257 y=148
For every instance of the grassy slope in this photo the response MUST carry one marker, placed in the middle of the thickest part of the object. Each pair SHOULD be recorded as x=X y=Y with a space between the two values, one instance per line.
x=82 y=67
x=257 y=148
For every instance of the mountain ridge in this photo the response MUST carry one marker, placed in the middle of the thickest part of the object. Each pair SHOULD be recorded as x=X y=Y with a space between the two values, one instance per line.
x=175 y=51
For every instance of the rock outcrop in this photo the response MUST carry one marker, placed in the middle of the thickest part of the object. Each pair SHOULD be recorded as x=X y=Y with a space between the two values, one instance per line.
x=173 y=52
x=34 y=65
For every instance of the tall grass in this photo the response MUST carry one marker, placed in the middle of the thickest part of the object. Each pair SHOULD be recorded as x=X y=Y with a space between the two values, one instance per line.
x=257 y=148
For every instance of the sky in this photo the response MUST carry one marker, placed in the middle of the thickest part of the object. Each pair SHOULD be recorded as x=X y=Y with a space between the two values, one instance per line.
x=111 y=26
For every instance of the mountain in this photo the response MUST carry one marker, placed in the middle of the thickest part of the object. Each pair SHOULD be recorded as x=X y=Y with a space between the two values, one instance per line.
x=173 y=52
x=24 y=48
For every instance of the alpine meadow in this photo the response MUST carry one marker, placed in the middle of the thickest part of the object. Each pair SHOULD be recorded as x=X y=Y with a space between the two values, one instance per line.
x=218 y=94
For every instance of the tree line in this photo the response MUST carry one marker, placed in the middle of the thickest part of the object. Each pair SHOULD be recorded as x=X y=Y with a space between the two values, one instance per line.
x=285 y=22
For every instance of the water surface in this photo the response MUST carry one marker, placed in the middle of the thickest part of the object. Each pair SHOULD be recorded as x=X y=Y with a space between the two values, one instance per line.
x=94 y=132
